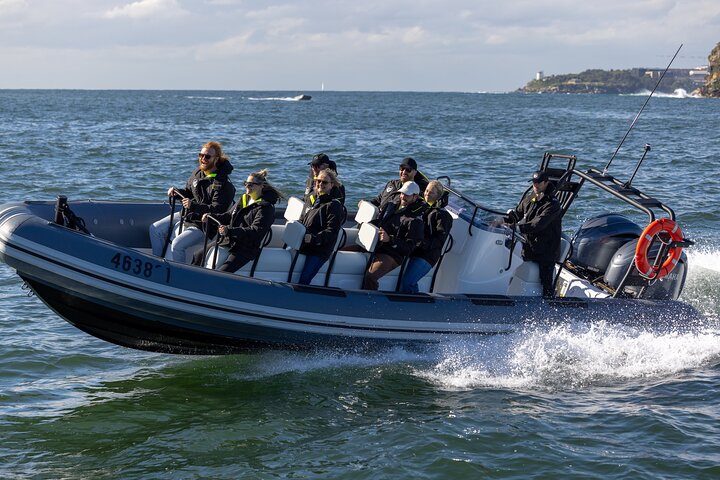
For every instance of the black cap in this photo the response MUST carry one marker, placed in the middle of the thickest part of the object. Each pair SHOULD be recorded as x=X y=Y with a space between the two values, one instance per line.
x=408 y=162
x=539 y=176
x=320 y=159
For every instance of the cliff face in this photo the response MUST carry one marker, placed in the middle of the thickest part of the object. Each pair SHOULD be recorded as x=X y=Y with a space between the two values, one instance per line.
x=712 y=81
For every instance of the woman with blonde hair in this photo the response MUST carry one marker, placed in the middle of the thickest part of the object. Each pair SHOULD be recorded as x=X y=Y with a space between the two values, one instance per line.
x=322 y=219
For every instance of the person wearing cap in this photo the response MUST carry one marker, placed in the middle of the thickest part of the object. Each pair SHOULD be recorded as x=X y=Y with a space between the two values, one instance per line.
x=437 y=223
x=319 y=163
x=400 y=233
x=390 y=194
x=538 y=217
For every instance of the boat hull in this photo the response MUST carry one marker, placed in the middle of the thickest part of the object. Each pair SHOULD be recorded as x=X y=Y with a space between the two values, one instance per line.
x=130 y=298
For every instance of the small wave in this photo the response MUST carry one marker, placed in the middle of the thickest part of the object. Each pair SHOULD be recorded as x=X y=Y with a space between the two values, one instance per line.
x=572 y=356
x=678 y=93
x=191 y=97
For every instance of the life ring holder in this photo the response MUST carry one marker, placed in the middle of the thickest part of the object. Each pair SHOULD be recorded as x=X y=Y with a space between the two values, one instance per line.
x=654 y=229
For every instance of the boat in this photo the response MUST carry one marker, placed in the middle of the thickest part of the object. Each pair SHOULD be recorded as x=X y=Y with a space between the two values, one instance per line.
x=302 y=97
x=90 y=262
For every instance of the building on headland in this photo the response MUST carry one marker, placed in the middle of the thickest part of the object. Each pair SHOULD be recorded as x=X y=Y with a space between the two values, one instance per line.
x=697 y=74
x=539 y=75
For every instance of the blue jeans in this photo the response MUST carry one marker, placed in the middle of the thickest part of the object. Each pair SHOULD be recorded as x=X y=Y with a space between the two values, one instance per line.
x=310 y=269
x=416 y=269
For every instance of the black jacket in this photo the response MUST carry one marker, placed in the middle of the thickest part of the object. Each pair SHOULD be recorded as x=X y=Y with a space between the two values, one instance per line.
x=208 y=194
x=405 y=227
x=248 y=224
x=335 y=192
x=438 y=223
x=540 y=220
x=322 y=221
x=390 y=194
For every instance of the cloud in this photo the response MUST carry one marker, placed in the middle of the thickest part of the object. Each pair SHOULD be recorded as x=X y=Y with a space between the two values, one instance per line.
x=146 y=8
x=11 y=8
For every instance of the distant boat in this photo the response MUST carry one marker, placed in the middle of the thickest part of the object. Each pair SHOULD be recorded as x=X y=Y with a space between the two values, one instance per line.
x=302 y=97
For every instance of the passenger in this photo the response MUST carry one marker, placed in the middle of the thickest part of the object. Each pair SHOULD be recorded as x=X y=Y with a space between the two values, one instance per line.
x=538 y=216
x=390 y=194
x=322 y=219
x=400 y=232
x=438 y=223
x=208 y=190
x=319 y=163
x=245 y=225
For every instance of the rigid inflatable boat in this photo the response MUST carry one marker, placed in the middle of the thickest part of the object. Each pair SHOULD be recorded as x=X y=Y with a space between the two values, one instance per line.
x=90 y=262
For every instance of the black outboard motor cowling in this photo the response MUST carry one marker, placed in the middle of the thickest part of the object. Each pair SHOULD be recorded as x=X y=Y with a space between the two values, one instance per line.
x=667 y=288
x=598 y=238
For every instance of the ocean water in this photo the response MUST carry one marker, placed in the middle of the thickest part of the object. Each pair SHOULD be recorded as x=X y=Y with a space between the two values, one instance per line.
x=579 y=401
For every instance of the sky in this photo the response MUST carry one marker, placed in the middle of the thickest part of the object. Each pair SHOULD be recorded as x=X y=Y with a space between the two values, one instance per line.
x=350 y=45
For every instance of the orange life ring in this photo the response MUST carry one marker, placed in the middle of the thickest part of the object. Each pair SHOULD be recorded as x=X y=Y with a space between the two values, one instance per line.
x=646 y=238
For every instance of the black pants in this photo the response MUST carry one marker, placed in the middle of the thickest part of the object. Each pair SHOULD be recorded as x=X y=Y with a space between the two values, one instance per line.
x=547 y=279
x=234 y=262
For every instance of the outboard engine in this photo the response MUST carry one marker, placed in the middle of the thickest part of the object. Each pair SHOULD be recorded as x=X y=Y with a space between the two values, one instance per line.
x=667 y=288
x=598 y=239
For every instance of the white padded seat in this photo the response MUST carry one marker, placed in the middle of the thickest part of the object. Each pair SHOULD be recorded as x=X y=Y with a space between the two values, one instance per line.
x=367 y=212
x=293 y=234
x=368 y=235
x=293 y=213
x=295 y=209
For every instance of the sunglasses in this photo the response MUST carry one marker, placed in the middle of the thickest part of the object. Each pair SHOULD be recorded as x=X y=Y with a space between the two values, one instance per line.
x=403 y=169
x=205 y=155
x=322 y=182
x=251 y=184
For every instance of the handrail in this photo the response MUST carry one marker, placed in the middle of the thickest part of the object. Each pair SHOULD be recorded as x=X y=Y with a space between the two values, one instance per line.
x=587 y=176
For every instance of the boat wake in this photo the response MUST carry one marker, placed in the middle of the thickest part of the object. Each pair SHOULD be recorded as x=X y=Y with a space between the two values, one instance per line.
x=572 y=356
x=276 y=99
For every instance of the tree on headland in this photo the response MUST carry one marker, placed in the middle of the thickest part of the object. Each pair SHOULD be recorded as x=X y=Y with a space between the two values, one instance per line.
x=712 y=81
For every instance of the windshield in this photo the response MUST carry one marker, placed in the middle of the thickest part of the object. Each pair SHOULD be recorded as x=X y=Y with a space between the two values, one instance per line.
x=472 y=212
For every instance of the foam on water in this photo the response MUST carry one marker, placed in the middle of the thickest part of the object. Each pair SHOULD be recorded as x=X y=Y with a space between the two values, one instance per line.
x=702 y=285
x=576 y=355
x=677 y=93
x=572 y=356
x=277 y=363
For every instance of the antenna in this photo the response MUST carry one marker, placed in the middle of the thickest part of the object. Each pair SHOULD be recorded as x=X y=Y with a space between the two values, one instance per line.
x=641 y=110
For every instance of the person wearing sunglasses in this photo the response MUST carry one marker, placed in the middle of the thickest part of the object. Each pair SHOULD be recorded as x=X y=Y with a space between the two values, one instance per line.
x=538 y=216
x=319 y=163
x=388 y=200
x=244 y=226
x=400 y=232
x=437 y=222
x=208 y=190
x=323 y=218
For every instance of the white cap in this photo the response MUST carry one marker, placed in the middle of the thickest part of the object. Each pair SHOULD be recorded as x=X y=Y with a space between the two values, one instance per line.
x=410 y=188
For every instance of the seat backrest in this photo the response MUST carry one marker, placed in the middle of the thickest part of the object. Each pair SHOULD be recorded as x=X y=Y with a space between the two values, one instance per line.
x=294 y=234
x=294 y=209
x=366 y=212
x=368 y=236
